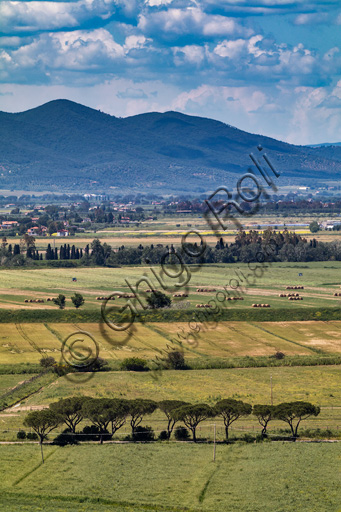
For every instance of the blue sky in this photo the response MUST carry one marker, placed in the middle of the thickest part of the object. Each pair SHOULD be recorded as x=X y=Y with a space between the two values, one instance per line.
x=265 y=66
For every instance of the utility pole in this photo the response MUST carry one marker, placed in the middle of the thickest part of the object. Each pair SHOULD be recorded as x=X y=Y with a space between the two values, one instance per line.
x=214 y=439
x=271 y=395
x=42 y=453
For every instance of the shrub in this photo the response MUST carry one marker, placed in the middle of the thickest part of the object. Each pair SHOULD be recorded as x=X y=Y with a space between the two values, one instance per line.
x=163 y=435
x=47 y=362
x=98 y=364
x=181 y=433
x=158 y=300
x=175 y=360
x=60 y=301
x=77 y=300
x=21 y=434
x=90 y=433
x=144 y=434
x=134 y=364
x=32 y=436
x=247 y=438
x=279 y=355
x=66 y=437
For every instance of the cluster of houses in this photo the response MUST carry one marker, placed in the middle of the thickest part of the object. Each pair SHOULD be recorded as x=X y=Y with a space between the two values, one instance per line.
x=329 y=224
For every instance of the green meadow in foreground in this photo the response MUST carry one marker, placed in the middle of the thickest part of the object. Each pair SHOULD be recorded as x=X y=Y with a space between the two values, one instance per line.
x=276 y=477
x=318 y=384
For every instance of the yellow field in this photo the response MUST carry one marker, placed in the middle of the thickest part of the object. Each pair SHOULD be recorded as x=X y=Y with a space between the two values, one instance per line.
x=29 y=342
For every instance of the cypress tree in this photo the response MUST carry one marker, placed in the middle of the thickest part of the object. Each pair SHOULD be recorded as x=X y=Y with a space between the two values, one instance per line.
x=48 y=253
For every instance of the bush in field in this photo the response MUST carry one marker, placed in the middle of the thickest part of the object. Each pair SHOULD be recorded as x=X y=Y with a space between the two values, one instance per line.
x=158 y=300
x=65 y=438
x=314 y=226
x=279 y=355
x=99 y=365
x=90 y=433
x=163 y=436
x=47 y=362
x=175 y=360
x=77 y=300
x=21 y=434
x=60 y=301
x=144 y=434
x=181 y=433
x=134 y=364
x=32 y=436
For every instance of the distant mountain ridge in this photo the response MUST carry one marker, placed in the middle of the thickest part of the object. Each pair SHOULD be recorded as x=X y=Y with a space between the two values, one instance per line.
x=67 y=146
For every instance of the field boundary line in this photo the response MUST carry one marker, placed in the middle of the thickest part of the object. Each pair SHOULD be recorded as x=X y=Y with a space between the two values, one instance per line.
x=33 y=469
x=103 y=501
x=208 y=481
x=316 y=350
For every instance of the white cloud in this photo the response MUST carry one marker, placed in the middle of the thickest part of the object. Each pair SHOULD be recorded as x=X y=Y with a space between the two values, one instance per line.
x=192 y=54
x=190 y=22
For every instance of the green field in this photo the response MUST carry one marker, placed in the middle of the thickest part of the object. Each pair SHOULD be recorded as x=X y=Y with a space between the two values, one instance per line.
x=279 y=477
x=8 y=382
x=320 y=280
x=319 y=385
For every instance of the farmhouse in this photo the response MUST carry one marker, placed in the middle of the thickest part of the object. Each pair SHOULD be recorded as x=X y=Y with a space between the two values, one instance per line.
x=9 y=224
x=62 y=232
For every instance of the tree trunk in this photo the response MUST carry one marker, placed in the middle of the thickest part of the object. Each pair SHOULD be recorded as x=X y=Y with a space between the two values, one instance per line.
x=227 y=432
x=293 y=432
x=194 y=435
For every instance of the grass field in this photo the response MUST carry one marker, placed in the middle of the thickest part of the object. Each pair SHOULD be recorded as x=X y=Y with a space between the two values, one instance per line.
x=319 y=385
x=8 y=382
x=28 y=343
x=320 y=280
x=279 y=477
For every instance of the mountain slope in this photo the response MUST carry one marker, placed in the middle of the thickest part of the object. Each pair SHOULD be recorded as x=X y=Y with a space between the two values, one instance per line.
x=66 y=145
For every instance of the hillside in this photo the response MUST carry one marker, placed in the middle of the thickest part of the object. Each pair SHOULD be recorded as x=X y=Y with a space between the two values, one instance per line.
x=65 y=145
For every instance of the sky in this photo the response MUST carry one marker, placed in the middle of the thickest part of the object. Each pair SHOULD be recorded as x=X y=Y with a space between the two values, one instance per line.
x=271 y=67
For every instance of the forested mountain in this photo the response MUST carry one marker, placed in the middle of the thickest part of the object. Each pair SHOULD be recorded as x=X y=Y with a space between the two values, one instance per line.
x=65 y=145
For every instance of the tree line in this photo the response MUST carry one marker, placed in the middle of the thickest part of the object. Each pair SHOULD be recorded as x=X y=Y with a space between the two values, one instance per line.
x=108 y=415
x=285 y=247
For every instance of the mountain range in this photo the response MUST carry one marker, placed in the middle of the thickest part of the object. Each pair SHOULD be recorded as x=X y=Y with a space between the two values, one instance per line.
x=65 y=146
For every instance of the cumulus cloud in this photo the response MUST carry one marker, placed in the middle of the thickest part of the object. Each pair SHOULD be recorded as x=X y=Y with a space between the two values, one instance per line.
x=217 y=55
x=32 y=16
x=191 y=22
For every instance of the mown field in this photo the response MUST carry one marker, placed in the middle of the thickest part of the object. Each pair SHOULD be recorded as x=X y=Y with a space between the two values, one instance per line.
x=28 y=343
x=320 y=280
x=279 y=477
